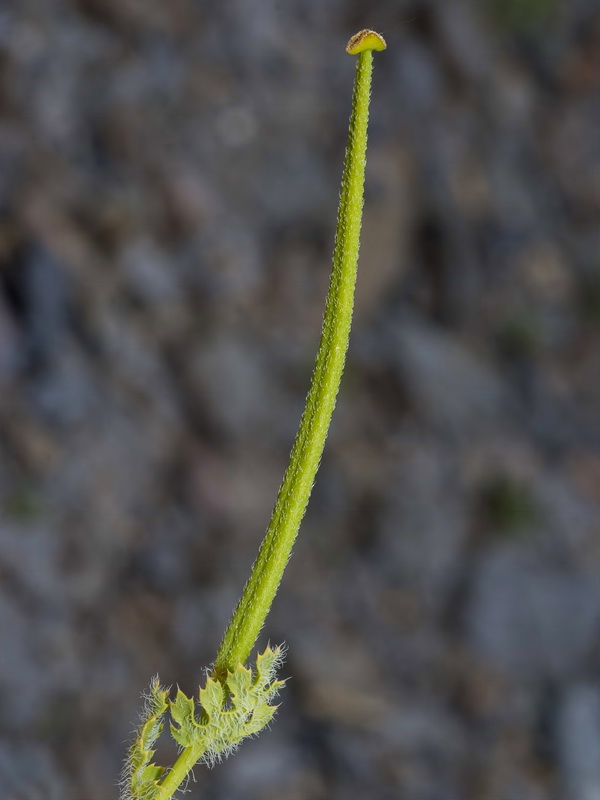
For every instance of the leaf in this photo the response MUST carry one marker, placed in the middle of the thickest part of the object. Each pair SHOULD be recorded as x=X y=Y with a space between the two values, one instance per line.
x=227 y=713
x=140 y=777
x=212 y=697
x=182 y=713
x=231 y=711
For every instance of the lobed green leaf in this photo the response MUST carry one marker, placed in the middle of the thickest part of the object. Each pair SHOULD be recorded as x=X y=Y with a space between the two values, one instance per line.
x=231 y=711
x=140 y=779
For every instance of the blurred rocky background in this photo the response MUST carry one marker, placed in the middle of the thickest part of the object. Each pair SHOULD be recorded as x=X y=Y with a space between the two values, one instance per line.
x=169 y=172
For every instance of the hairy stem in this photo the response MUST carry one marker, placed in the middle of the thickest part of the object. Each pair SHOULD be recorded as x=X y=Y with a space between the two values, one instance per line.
x=186 y=762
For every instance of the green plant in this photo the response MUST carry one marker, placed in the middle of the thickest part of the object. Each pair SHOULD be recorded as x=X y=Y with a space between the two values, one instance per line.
x=236 y=701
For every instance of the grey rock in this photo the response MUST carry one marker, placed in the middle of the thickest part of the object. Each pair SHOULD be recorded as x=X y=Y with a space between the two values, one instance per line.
x=31 y=773
x=424 y=528
x=530 y=619
x=578 y=740
x=450 y=386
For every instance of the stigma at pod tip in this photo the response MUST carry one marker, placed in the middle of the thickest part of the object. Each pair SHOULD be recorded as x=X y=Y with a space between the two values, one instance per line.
x=365 y=40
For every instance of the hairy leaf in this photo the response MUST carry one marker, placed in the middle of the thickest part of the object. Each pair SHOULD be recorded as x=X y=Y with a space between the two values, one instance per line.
x=140 y=779
x=231 y=711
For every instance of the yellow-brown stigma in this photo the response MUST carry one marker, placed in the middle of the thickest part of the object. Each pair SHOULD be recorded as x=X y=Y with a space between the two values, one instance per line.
x=365 y=40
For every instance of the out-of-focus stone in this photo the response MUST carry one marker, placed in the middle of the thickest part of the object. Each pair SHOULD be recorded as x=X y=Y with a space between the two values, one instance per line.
x=529 y=618
x=578 y=741
x=450 y=386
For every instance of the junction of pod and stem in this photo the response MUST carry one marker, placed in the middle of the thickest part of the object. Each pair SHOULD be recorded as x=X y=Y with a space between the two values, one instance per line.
x=365 y=40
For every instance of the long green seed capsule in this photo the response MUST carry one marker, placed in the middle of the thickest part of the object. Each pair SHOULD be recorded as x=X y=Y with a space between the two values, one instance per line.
x=275 y=550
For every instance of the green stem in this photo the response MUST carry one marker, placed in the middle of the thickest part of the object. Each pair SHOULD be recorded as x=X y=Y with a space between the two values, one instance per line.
x=186 y=762
x=294 y=493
